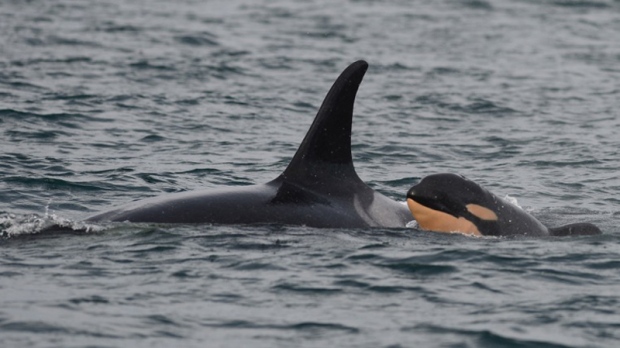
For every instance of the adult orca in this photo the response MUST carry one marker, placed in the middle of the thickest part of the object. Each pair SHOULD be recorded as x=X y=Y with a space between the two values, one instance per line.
x=452 y=203
x=319 y=188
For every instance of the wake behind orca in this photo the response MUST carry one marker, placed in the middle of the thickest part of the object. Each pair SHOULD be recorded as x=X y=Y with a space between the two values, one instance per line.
x=319 y=188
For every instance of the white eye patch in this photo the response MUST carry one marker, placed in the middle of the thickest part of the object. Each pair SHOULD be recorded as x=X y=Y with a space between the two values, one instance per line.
x=482 y=212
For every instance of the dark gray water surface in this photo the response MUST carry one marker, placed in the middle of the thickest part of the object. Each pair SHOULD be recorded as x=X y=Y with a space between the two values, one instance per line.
x=105 y=102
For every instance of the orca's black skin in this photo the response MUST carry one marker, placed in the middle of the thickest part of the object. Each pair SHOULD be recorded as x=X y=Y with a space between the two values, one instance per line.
x=319 y=188
x=459 y=197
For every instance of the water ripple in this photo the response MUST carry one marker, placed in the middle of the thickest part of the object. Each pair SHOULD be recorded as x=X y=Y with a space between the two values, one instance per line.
x=106 y=102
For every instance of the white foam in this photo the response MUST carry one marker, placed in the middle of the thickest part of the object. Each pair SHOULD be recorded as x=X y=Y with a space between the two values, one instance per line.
x=412 y=224
x=513 y=201
x=14 y=225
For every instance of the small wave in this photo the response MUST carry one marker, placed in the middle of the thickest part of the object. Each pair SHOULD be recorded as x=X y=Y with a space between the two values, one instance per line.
x=289 y=287
x=580 y=4
x=478 y=106
x=44 y=135
x=146 y=65
x=300 y=326
x=51 y=117
x=12 y=225
x=36 y=61
x=64 y=41
x=420 y=269
x=57 y=184
x=111 y=27
x=204 y=39
x=153 y=138
x=36 y=327
x=476 y=4
x=485 y=338
x=381 y=289
x=315 y=326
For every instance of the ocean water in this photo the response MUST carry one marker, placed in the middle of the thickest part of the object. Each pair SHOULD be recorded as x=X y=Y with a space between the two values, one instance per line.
x=106 y=102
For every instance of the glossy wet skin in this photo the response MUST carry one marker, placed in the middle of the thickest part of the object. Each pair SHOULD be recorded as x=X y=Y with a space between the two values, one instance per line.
x=319 y=187
x=438 y=221
x=451 y=203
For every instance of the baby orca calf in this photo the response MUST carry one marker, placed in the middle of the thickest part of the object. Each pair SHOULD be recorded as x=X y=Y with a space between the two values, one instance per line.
x=451 y=203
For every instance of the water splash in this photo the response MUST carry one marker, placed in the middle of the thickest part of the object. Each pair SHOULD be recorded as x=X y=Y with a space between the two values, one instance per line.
x=412 y=224
x=12 y=225
x=513 y=201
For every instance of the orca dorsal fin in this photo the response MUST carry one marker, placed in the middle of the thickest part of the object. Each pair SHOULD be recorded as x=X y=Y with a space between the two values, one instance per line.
x=326 y=149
